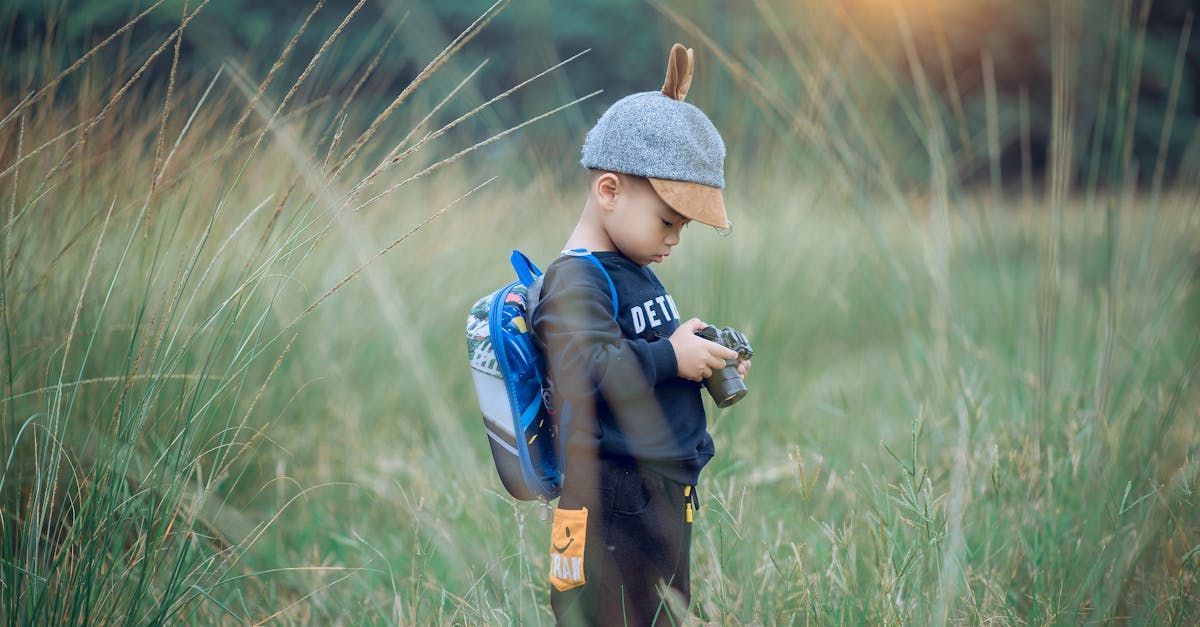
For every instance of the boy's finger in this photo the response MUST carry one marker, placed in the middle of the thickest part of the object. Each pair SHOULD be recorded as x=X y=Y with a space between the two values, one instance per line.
x=725 y=352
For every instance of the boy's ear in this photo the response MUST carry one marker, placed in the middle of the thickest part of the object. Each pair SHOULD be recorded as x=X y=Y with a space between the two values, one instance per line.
x=605 y=187
x=679 y=72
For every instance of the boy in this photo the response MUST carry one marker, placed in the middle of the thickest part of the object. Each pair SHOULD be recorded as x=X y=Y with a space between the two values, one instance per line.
x=633 y=432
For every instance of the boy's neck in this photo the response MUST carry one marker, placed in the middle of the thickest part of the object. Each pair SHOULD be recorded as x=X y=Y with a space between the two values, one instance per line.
x=589 y=233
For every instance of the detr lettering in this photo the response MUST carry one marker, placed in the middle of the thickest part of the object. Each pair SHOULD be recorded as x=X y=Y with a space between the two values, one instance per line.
x=649 y=311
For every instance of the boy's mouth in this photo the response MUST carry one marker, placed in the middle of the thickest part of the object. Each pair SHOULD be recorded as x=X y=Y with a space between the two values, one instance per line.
x=659 y=258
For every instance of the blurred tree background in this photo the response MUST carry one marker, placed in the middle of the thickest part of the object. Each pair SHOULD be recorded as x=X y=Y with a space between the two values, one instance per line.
x=759 y=68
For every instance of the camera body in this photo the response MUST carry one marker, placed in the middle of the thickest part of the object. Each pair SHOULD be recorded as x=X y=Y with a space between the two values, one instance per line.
x=726 y=385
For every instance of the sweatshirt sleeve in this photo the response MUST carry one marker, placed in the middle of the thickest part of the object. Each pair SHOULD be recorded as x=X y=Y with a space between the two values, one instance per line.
x=584 y=347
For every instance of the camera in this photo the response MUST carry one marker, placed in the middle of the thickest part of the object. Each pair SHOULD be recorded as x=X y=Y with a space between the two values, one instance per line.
x=726 y=385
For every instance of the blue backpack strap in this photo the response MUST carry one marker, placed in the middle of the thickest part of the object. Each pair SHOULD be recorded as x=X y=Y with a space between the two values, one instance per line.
x=612 y=288
x=526 y=271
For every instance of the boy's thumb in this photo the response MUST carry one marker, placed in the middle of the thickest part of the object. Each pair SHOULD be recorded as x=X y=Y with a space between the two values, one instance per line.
x=695 y=324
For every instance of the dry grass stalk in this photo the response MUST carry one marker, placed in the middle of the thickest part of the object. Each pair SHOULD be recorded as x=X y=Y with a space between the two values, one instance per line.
x=393 y=158
x=443 y=56
x=366 y=74
x=381 y=253
x=275 y=67
x=31 y=99
x=312 y=63
x=419 y=125
x=95 y=120
x=22 y=158
x=458 y=155
x=162 y=133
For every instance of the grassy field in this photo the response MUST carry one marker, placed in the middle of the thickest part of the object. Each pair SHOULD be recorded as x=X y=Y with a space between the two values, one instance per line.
x=220 y=405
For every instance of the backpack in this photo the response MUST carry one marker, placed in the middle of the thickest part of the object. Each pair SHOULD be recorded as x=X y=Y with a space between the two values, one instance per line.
x=511 y=383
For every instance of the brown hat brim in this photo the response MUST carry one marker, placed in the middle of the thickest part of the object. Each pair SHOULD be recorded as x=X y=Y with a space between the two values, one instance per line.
x=693 y=200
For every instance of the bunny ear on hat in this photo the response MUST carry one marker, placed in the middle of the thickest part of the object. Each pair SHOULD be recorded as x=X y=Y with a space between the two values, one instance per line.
x=679 y=72
x=697 y=201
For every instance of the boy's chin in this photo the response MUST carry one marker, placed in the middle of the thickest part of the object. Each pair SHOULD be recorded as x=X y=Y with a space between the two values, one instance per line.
x=644 y=260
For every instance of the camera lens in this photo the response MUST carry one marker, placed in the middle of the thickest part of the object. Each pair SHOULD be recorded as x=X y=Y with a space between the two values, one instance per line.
x=726 y=386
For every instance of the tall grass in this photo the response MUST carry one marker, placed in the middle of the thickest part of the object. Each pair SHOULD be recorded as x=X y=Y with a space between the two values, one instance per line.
x=158 y=262
x=220 y=403
x=1045 y=365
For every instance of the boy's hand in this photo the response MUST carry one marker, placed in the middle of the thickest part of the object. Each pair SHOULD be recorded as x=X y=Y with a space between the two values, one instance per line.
x=743 y=367
x=696 y=356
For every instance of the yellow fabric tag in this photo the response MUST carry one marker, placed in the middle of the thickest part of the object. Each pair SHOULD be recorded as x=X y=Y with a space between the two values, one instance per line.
x=567 y=537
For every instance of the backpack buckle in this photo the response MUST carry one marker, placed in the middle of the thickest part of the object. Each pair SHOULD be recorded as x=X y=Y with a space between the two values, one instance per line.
x=548 y=400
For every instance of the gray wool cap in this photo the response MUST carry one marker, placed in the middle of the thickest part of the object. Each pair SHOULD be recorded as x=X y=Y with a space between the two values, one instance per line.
x=652 y=135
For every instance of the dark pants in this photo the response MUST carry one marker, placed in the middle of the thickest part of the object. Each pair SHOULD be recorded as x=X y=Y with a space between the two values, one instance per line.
x=637 y=550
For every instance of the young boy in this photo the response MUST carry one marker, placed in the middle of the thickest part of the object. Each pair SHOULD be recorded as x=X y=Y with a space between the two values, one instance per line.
x=626 y=383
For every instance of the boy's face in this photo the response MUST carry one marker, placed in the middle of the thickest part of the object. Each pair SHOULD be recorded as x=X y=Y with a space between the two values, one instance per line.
x=639 y=223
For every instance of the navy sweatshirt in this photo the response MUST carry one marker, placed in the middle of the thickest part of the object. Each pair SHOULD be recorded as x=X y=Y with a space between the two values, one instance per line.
x=627 y=403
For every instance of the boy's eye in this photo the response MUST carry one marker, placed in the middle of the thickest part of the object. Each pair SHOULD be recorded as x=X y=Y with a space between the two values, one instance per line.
x=666 y=223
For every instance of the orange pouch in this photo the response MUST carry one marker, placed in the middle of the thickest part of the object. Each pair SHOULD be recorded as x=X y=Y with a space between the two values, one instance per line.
x=567 y=537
